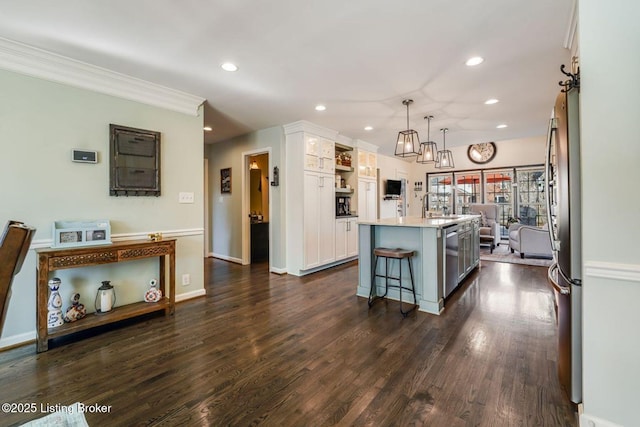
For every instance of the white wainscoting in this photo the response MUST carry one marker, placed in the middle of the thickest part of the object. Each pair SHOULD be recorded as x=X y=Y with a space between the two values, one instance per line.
x=610 y=270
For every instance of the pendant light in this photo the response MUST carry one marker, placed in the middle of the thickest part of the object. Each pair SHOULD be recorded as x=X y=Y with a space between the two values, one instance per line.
x=408 y=140
x=428 y=150
x=445 y=157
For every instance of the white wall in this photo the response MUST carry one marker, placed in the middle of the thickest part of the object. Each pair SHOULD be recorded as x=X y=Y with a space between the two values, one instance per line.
x=394 y=168
x=225 y=210
x=610 y=66
x=40 y=122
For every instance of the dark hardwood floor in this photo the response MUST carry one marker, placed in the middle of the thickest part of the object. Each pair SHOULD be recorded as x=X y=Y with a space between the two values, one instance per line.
x=288 y=351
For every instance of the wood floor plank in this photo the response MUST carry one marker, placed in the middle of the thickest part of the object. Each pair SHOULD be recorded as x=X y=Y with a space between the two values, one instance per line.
x=264 y=349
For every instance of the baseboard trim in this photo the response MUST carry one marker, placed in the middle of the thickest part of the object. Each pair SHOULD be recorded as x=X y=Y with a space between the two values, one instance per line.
x=587 y=420
x=191 y=295
x=300 y=273
x=610 y=270
x=278 y=270
x=226 y=258
x=19 y=340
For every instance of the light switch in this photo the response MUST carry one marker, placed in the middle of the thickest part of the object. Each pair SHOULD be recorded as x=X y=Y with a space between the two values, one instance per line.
x=185 y=197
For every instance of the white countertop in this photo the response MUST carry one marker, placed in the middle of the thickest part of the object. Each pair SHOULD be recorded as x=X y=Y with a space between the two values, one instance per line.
x=416 y=221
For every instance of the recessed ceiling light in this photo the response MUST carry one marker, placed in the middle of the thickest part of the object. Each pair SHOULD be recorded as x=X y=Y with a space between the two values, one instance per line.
x=476 y=60
x=320 y=107
x=228 y=66
x=502 y=126
x=491 y=101
x=368 y=128
x=207 y=128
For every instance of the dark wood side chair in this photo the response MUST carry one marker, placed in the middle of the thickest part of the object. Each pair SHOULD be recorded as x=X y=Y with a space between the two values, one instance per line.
x=14 y=245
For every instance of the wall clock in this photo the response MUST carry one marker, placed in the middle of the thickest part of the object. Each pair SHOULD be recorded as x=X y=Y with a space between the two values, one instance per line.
x=482 y=152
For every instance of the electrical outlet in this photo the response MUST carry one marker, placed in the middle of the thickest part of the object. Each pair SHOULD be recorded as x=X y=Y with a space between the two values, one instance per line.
x=186 y=279
x=185 y=197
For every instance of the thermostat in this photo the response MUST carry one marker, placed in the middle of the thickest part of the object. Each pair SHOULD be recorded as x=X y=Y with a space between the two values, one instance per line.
x=84 y=156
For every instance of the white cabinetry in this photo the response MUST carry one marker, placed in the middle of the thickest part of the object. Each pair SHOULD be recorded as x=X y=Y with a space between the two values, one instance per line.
x=367 y=197
x=367 y=185
x=319 y=154
x=367 y=164
x=346 y=238
x=310 y=197
x=318 y=220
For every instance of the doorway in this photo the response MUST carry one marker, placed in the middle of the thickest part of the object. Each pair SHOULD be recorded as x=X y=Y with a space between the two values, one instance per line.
x=256 y=209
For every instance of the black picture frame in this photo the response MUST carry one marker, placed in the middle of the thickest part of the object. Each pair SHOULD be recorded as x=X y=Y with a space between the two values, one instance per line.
x=225 y=180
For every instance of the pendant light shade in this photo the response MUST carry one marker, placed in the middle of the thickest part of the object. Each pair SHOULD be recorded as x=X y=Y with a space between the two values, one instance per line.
x=408 y=140
x=445 y=157
x=428 y=150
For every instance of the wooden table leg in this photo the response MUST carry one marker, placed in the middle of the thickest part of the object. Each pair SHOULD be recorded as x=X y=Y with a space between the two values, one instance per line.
x=172 y=278
x=42 y=339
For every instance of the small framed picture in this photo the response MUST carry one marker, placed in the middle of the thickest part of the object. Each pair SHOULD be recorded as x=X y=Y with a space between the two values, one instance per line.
x=225 y=180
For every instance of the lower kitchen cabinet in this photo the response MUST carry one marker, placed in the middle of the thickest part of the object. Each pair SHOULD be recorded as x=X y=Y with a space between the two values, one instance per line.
x=346 y=238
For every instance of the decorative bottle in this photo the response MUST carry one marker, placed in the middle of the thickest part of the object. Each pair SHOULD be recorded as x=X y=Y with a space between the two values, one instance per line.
x=54 y=316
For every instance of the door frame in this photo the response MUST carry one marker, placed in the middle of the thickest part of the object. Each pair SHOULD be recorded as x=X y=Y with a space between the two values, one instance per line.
x=246 y=204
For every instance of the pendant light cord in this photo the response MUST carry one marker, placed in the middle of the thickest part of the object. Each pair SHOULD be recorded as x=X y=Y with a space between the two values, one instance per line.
x=407 y=115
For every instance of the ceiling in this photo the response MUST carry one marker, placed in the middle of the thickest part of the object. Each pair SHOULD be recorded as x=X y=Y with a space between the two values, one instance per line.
x=359 y=58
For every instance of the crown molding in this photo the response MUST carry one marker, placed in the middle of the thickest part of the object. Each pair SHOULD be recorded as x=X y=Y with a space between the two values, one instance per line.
x=364 y=145
x=31 y=61
x=305 y=126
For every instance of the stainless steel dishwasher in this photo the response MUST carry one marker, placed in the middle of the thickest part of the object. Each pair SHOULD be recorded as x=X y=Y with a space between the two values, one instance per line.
x=451 y=259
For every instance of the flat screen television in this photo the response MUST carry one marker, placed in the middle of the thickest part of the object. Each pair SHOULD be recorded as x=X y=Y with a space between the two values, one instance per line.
x=393 y=187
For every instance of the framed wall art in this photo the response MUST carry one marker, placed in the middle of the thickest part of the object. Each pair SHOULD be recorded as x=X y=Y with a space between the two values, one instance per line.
x=225 y=180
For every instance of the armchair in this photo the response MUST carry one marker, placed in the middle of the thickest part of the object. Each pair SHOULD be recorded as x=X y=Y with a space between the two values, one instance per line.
x=489 y=225
x=530 y=240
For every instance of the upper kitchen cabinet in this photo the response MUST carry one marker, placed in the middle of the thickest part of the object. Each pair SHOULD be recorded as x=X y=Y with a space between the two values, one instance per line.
x=367 y=187
x=367 y=164
x=318 y=154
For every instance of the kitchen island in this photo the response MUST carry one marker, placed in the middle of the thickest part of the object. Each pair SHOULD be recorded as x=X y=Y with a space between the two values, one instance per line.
x=447 y=249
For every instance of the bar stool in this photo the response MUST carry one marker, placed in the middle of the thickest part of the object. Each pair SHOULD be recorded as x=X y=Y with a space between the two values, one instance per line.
x=392 y=254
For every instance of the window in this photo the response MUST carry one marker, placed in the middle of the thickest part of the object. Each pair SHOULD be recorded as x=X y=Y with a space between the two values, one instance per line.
x=468 y=189
x=518 y=191
x=439 y=191
x=532 y=206
x=498 y=187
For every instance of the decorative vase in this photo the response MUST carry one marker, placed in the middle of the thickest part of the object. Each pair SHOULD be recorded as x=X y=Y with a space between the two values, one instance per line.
x=153 y=294
x=77 y=310
x=54 y=315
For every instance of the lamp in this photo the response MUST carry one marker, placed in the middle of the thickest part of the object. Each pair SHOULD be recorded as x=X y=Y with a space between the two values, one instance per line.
x=253 y=165
x=408 y=140
x=428 y=149
x=445 y=157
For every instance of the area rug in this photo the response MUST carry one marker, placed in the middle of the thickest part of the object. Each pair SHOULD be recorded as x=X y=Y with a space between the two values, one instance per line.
x=502 y=253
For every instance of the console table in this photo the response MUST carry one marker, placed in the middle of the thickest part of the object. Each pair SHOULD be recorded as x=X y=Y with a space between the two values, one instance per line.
x=51 y=259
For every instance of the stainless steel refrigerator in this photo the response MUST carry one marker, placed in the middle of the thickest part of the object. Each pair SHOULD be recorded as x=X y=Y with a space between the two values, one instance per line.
x=564 y=217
